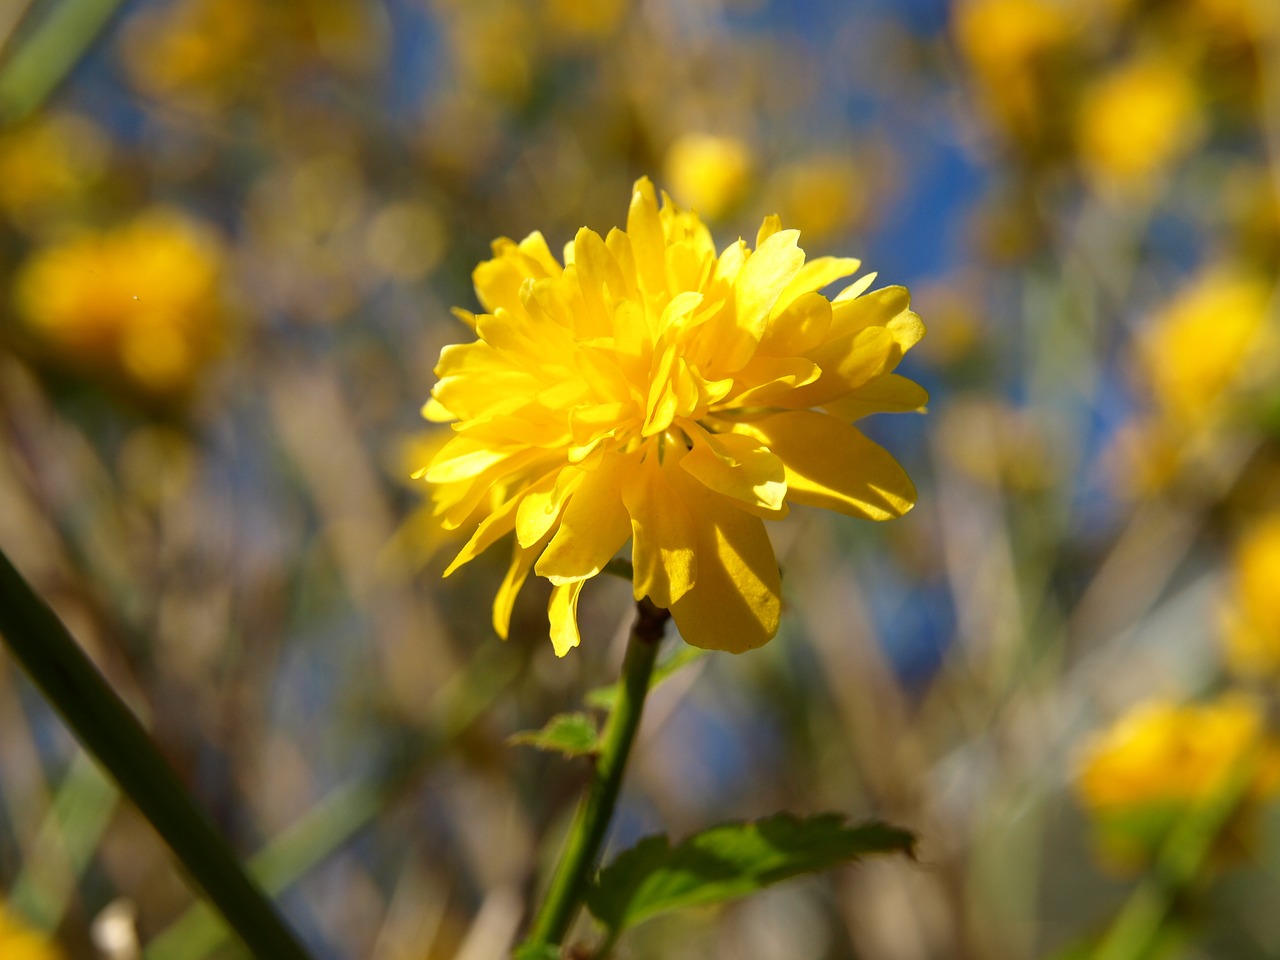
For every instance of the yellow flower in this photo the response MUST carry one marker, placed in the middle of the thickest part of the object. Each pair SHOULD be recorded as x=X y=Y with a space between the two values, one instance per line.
x=1135 y=121
x=20 y=942
x=1253 y=617
x=708 y=173
x=1205 y=341
x=142 y=301
x=651 y=390
x=1161 y=759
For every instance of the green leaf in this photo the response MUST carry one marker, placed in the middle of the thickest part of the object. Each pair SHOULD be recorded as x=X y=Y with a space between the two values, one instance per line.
x=730 y=861
x=573 y=734
x=604 y=697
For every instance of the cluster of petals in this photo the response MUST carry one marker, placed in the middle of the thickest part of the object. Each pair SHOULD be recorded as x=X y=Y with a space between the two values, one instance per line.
x=655 y=391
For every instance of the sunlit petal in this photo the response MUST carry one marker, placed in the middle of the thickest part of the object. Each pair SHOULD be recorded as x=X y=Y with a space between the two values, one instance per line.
x=832 y=465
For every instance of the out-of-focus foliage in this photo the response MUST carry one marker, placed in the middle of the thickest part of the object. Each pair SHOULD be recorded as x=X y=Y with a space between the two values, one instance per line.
x=229 y=242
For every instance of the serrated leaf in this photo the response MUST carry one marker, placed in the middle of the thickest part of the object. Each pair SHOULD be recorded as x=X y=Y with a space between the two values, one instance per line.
x=730 y=861
x=536 y=951
x=605 y=697
x=573 y=734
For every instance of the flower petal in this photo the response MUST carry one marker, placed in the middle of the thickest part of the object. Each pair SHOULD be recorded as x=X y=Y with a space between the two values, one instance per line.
x=763 y=277
x=498 y=281
x=562 y=610
x=887 y=394
x=464 y=457
x=770 y=381
x=542 y=505
x=664 y=541
x=522 y=559
x=739 y=467
x=832 y=465
x=799 y=328
x=644 y=227
x=455 y=502
x=736 y=601
x=847 y=364
x=768 y=227
x=879 y=308
x=492 y=528
x=593 y=527
x=813 y=276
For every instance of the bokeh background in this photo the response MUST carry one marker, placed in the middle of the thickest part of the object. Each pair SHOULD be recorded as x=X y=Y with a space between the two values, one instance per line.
x=230 y=236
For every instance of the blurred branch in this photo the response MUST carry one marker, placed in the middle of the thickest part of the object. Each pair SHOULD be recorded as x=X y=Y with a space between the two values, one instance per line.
x=68 y=839
x=345 y=811
x=34 y=68
x=109 y=730
x=11 y=15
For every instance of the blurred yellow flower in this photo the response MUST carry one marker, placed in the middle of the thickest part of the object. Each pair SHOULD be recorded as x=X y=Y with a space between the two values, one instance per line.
x=574 y=20
x=650 y=390
x=822 y=195
x=1002 y=35
x=1211 y=337
x=20 y=942
x=708 y=173
x=1161 y=751
x=1135 y=121
x=47 y=161
x=143 y=301
x=1003 y=40
x=1252 y=618
x=1160 y=759
x=194 y=50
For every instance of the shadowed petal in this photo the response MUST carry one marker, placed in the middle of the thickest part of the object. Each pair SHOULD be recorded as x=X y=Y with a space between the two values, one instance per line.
x=664 y=539
x=736 y=601
x=740 y=467
x=593 y=527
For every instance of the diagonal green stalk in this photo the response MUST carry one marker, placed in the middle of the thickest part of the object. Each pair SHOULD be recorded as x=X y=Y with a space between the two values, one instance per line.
x=35 y=68
x=591 y=823
x=110 y=732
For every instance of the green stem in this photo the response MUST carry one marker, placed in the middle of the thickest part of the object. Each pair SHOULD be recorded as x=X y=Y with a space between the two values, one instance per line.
x=582 y=848
x=111 y=733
